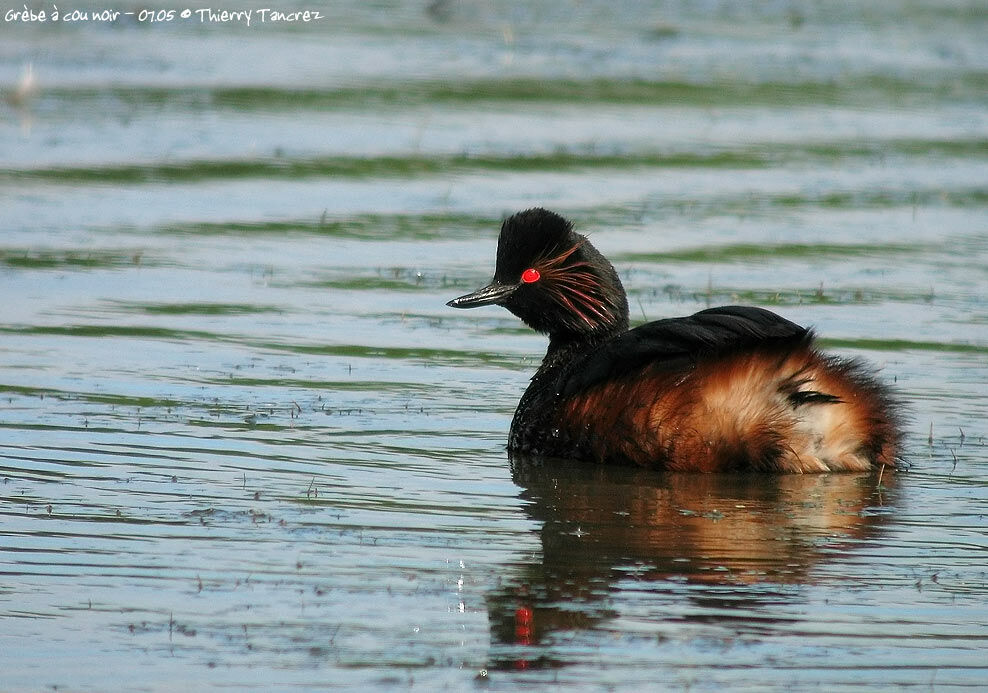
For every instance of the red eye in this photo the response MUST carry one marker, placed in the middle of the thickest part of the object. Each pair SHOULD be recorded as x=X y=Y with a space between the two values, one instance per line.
x=530 y=275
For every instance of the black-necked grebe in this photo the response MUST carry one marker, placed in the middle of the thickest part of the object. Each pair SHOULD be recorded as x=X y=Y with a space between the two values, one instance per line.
x=729 y=388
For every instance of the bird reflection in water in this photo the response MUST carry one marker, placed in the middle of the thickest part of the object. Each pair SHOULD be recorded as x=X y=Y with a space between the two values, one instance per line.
x=603 y=526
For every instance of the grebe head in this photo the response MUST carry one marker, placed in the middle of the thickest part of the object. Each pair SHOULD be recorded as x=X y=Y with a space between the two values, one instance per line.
x=553 y=279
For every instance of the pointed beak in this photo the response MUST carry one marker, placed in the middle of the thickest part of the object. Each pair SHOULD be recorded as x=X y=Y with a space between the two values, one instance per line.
x=493 y=293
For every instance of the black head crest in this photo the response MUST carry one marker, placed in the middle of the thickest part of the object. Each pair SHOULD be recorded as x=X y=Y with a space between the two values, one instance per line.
x=529 y=236
x=563 y=285
x=553 y=279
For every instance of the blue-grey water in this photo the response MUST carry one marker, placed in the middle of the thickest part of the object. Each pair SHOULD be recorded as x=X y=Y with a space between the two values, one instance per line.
x=244 y=445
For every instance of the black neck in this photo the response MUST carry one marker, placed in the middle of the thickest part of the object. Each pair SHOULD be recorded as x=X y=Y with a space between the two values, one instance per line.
x=564 y=346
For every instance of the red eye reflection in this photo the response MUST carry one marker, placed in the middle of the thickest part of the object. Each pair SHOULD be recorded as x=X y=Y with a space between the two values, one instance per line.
x=530 y=275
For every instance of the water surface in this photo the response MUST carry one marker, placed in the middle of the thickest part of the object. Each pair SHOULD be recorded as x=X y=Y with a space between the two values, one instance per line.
x=244 y=444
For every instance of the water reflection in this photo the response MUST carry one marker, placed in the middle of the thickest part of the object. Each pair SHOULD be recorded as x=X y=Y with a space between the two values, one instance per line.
x=602 y=527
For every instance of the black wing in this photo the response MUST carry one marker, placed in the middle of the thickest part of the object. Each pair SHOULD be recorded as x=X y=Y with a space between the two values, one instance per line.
x=676 y=343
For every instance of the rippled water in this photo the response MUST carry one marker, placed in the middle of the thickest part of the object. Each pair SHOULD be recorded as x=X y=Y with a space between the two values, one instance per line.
x=245 y=445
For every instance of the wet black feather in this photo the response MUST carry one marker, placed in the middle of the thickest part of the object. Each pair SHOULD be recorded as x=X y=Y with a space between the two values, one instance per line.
x=676 y=343
x=798 y=399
